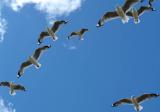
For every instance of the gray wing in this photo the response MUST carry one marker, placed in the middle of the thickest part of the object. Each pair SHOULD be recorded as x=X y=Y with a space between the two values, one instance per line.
x=57 y=24
x=19 y=87
x=140 y=11
x=39 y=51
x=143 y=9
x=42 y=36
x=122 y=101
x=106 y=17
x=128 y=4
x=147 y=97
x=5 y=84
x=24 y=65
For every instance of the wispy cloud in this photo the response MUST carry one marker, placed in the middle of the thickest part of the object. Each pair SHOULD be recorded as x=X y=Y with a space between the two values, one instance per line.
x=69 y=46
x=6 y=107
x=3 y=25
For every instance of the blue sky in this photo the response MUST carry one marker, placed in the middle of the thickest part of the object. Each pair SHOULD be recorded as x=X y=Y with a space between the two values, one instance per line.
x=116 y=61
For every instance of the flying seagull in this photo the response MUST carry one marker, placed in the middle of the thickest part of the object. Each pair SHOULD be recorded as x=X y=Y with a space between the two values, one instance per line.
x=119 y=12
x=32 y=60
x=51 y=31
x=80 y=33
x=136 y=13
x=135 y=101
x=13 y=87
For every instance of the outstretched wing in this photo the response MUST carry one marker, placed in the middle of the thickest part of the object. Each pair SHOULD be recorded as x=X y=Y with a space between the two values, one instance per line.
x=39 y=51
x=122 y=101
x=5 y=84
x=128 y=4
x=147 y=97
x=57 y=24
x=19 y=87
x=140 y=11
x=106 y=17
x=24 y=65
x=143 y=9
x=42 y=36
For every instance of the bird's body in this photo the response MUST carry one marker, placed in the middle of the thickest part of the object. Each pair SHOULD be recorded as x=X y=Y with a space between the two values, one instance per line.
x=135 y=101
x=80 y=33
x=51 y=31
x=32 y=60
x=13 y=87
x=120 y=12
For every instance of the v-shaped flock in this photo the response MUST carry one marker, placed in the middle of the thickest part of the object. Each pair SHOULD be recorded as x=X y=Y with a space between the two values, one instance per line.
x=124 y=12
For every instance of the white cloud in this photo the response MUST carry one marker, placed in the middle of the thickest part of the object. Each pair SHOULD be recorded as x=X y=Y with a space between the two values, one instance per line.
x=6 y=107
x=53 y=8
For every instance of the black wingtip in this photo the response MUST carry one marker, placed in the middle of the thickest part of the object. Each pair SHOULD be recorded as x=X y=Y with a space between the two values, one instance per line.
x=68 y=37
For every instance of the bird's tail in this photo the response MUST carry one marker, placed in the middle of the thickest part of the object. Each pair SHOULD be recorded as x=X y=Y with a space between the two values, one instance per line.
x=139 y=108
x=125 y=19
x=12 y=92
x=136 y=21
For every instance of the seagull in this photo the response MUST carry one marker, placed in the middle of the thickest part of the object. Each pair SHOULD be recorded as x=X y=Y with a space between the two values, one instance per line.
x=119 y=12
x=135 y=101
x=51 y=31
x=136 y=13
x=79 y=33
x=32 y=60
x=13 y=87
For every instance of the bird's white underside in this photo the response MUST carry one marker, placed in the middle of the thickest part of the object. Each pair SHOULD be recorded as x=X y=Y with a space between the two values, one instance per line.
x=12 y=92
x=122 y=15
x=52 y=34
x=139 y=108
x=135 y=16
x=34 y=62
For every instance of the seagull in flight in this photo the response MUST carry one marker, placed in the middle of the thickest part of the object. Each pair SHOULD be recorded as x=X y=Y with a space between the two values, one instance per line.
x=120 y=12
x=13 y=87
x=32 y=60
x=80 y=33
x=51 y=31
x=136 y=101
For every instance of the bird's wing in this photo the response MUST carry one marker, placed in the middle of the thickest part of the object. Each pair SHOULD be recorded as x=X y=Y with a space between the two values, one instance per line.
x=109 y=16
x=146 y=97
x=143 y=9
x=42 y=36
x=5 y=84
x=19 y=87
x=128 y=4
x=122 y=101
x=24 y=65
x=55 y=26
x=39 y=51
x=129 y=14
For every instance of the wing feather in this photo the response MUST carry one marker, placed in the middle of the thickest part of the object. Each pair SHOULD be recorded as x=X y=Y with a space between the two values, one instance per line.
x=128 y=4
x=42 y=36
x=5 y=84
x=24 y=65
x=122 y=101
x=19 y=87
x=39 y=51
x=147 y=97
